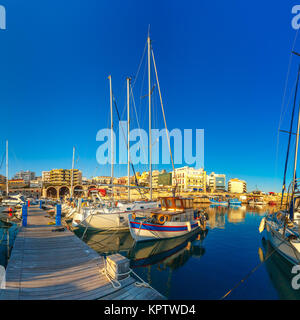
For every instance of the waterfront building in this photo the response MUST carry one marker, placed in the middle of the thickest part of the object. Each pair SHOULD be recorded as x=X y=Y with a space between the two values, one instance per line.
x=189 y=179
x=27 y=176
x=64 y=177
x=2 y=179
x=37 y=183
x=17 y=183
x=237 y=186
x=216 y=182
x=46 y=176
x=101 y=180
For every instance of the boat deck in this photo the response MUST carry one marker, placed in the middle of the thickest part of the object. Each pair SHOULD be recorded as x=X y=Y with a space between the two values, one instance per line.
x=48 y=264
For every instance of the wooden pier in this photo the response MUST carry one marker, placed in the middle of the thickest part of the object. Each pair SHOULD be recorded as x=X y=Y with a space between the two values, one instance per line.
x=48 y=264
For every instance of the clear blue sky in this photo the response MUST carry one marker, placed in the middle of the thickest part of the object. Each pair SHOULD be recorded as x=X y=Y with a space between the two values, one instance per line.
x=222 y=67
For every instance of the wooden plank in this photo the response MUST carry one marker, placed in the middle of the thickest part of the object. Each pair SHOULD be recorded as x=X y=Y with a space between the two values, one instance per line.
x=45 y=264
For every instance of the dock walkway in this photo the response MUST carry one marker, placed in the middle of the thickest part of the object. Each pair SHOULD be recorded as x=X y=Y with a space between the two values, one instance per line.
x=45 y=264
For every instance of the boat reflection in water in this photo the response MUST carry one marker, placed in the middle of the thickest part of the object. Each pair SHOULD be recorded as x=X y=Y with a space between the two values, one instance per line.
x=105 y=242
x=172 y=252
x=279 y=271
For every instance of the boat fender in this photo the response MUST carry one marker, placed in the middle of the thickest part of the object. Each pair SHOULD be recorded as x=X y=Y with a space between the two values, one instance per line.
x=162 y=219
x=262 y=225
x=133 y=216
x=116 y=203
x=188 y=224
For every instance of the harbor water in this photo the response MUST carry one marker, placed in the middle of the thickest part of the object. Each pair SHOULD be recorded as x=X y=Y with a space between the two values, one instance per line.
x=8 y=232
x=208 y=264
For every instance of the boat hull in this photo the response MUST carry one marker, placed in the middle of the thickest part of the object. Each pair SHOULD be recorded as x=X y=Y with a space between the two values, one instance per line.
x=108 y=218
x=148 y=231
x=283 y=247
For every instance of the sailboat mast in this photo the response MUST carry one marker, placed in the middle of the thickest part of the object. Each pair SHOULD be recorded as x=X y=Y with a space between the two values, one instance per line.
x=7 y=167
x=295 y=165
x=72 y=177
x=111 y=135
x=128 y=136
x=149 y=95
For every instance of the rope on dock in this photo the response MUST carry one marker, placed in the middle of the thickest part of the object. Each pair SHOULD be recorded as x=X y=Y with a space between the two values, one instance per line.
x=116 y=283
x=250 y=273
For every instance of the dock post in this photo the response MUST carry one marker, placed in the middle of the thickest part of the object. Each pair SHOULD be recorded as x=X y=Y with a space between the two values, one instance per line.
x=24 y=215
x=58 y=215
x=40 y=204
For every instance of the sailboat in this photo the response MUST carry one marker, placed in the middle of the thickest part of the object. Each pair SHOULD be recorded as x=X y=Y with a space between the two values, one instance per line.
x=176 y=217
x=281 y=228
x=113 y=215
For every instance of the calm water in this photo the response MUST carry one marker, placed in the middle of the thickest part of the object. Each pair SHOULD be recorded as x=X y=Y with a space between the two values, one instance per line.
x=208 y=264
x=7 y=236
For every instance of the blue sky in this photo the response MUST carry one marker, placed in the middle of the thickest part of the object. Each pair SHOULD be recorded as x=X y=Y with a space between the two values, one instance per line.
x=222 y=67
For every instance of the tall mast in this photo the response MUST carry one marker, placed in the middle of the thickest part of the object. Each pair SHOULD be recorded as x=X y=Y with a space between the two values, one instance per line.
x=7 y=167
x=111 y=135
x=149 y=94
x=295 y=166
x=128 y=137
x=72 y=176
x=290 y=136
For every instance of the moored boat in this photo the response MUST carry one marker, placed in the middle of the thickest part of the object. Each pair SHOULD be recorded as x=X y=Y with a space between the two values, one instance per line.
x=218 y=202
x=175 y=218
x=234 y=202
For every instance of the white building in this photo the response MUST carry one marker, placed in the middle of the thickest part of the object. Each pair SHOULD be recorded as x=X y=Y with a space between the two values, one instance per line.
x=189 y=179
x=46 y=176
x=237 y=186
x=216 y=182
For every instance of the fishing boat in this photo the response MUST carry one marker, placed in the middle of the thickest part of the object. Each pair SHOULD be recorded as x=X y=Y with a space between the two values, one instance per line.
x=281 y=228
x=218 y=202
x=175 y=218
x=234 y=202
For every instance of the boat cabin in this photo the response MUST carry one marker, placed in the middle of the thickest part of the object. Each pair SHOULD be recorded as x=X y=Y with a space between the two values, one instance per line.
x=175 y=203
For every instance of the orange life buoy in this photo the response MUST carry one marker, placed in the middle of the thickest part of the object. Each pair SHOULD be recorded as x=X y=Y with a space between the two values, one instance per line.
x=162 y=219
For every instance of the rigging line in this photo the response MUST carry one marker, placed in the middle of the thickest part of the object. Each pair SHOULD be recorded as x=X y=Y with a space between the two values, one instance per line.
x=137 y=119
x=118 y=114
x=287 y=76
x=250 y=273
x=290 y=135
x=139 y=67
x=284 y=94
x=163 y=111
x=3 y=157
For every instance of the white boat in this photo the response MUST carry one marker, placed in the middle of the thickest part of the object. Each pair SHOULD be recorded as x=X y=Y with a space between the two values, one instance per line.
x=13 y=200
x=256 y=202
x=175 y=218
x=109 y=217
x=283 y=234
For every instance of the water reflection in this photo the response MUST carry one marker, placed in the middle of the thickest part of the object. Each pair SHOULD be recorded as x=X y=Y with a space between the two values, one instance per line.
x=279 y=271
x=229 y=248
x=8 y=233
x=106 y=242
x=172 y=253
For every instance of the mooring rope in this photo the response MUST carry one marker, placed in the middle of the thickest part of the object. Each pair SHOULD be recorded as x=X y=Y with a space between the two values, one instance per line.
x=116 y=283
x=250 y=273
